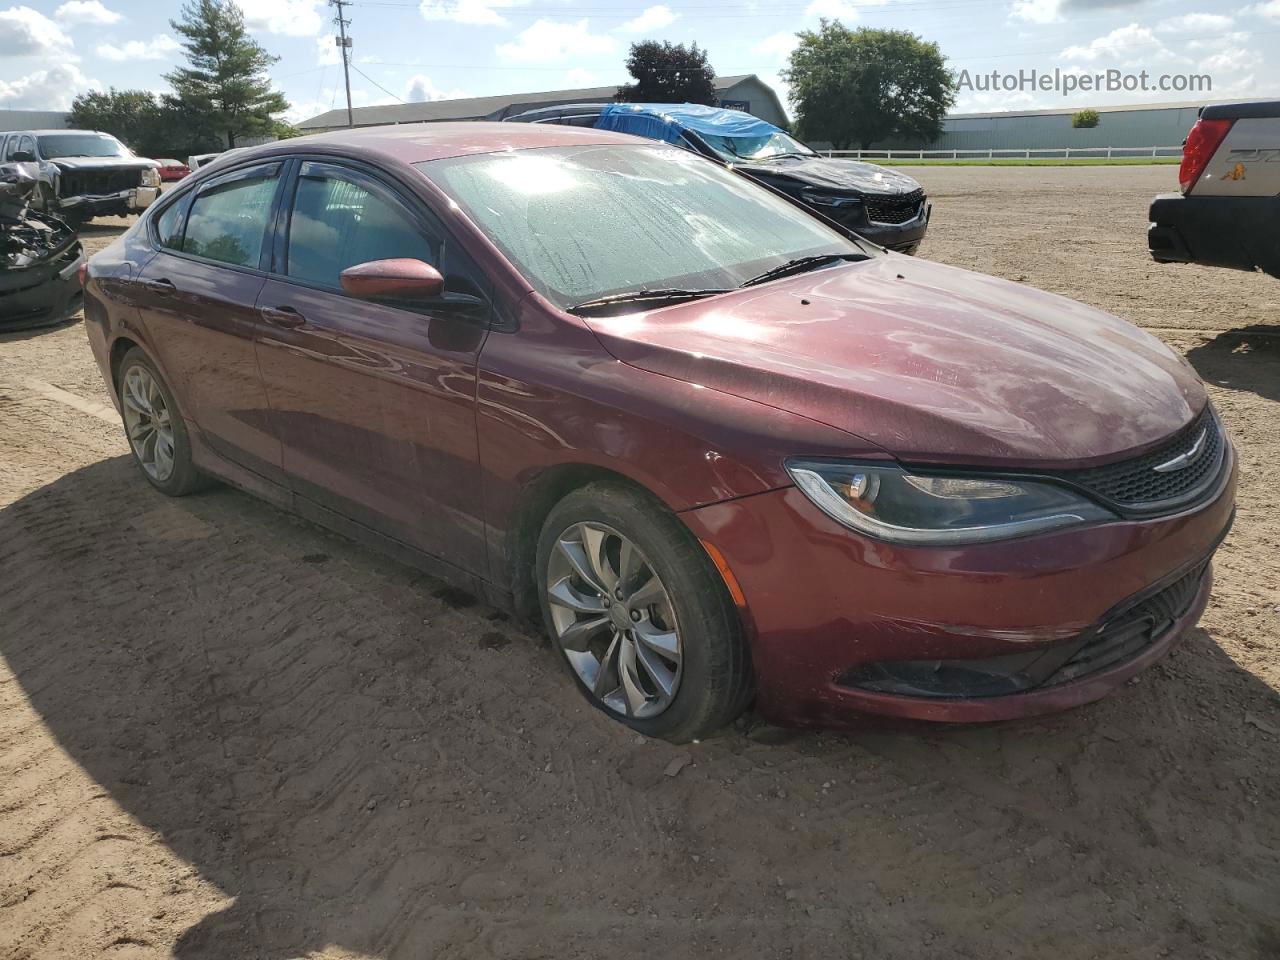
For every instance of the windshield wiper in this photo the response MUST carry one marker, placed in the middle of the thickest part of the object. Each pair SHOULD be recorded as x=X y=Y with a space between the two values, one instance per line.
x=801 y=265
x=662 y=296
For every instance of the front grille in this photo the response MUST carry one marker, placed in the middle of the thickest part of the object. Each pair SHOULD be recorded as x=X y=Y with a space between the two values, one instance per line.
x=76 y=183
x=1136 y=485
x=894 y=209
x=1126 y=634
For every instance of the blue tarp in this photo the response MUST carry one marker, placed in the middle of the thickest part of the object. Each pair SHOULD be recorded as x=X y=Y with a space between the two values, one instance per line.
x=665 y=121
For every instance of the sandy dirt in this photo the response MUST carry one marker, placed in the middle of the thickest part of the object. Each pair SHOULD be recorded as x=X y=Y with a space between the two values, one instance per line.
x=227 y=734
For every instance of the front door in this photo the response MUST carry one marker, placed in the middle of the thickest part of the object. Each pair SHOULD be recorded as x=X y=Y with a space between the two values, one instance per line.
x=374 y=404
x=198 y=301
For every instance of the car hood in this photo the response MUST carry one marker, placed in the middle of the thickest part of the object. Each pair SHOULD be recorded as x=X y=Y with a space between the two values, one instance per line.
x=931 y=363
x=828 y=174
x=103 y=163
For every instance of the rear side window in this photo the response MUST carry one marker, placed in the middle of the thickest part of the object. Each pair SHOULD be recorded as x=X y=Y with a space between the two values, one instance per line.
x=340 y=219
x=228 y=219
x=169 y=227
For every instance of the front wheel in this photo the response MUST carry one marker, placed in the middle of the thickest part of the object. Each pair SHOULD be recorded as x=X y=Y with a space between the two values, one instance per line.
x=155 y=429
x=640 y=614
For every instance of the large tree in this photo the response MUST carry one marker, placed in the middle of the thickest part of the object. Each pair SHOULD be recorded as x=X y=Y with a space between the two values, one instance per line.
x=668 y=72
x=152 y=126
x=865 y=86
x=226 y=87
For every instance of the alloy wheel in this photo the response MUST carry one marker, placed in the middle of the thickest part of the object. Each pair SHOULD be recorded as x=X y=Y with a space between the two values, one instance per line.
x=148 y=423
x=614 y=620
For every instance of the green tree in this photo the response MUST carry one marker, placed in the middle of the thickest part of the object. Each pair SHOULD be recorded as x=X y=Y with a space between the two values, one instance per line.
x=152 y=126
x=668 y=72
x=1085 y=118
x=225 y=88
x=867 y=86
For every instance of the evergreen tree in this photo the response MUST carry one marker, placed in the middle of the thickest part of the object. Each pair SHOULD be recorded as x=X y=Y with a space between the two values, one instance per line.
x=225 y=88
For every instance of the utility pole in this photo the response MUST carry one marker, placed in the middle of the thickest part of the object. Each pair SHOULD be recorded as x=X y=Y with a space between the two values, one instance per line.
x=344 y=44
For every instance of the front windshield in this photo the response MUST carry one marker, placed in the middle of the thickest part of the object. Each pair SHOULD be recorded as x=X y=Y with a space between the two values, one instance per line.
x=57 y=145
x=755 y=148
x=592 y=221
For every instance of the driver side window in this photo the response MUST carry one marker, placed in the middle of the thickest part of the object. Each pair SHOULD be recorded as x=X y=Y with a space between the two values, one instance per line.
x=339 y=220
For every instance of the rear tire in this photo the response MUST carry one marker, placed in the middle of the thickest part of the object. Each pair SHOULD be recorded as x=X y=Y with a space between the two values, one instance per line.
x=640 y=614
x=157 y=434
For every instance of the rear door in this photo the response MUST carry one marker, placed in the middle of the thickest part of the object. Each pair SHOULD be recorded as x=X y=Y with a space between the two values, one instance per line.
x=198 y=300
x=374 y=403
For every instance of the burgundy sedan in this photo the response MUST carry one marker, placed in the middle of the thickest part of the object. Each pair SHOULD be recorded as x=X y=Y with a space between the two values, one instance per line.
x=722 y=449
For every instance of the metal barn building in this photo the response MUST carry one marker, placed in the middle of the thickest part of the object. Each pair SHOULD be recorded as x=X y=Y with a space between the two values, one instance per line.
x=1134 y=125
x=744 y=92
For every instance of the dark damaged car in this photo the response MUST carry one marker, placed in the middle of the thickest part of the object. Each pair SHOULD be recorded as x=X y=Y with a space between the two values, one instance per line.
x=81 y=174
x=882 y=205
x=40 y=260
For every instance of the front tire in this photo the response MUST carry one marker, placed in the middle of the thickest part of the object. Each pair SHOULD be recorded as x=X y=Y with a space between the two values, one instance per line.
x=640 y=614
x=156 y=432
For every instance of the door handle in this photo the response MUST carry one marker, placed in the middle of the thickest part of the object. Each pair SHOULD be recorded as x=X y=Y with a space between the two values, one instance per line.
x=285 y=316
x=161 y=288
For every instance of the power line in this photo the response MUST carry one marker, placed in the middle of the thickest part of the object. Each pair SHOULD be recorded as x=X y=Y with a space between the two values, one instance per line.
x=374 y=82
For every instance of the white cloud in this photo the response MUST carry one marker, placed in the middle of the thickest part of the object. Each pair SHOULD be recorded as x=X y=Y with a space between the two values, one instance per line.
x=1123 y=44
x=421 y=88
x=1268 y=11
x=326 y=52
x=482 y=13
x=294 y=18
x=76 y=12
x=554 y=41
x=777 y=45
x=29 y=33
x=1037 y=11
x=578 y=77
x=159 y=47
x=844 y=10
x=51 y=89
x=651 y=18
x=1231 y=61
x=1196 y=23
x=973 y=102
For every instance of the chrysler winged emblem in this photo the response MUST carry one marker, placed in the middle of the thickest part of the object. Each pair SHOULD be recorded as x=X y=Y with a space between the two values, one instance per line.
x=1184 y=460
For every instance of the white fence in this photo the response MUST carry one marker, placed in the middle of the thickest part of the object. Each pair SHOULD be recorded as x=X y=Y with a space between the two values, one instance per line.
x=995 y=153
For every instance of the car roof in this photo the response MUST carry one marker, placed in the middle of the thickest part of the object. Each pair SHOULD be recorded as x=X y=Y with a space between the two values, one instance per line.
x=43 y=133
x=420 y=142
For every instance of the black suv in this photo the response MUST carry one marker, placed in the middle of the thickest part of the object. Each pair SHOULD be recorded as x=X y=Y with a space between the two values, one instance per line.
x=885 y=206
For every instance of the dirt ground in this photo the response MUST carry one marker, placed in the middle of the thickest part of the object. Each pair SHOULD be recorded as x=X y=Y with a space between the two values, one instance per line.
x=227 y=734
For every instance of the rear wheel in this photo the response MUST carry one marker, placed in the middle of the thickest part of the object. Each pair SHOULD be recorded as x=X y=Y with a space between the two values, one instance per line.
x=155 y=429
x=640 y=614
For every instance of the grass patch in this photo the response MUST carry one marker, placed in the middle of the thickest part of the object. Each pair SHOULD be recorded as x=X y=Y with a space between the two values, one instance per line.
x=1024 y=162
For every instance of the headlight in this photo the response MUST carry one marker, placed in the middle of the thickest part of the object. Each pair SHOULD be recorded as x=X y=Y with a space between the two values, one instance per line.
x=151 y=177
x=829 y=199
x=888 y=503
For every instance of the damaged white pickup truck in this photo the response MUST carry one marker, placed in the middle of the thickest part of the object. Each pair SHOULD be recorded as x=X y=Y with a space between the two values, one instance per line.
x=81 y=174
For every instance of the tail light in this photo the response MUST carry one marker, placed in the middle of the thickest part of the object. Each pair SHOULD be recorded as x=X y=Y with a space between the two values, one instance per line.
x=83 y=272
x=1202 y=143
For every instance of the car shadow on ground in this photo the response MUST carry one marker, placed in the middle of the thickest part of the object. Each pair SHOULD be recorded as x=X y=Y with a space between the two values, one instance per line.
x=1247 y=358
x=366 y=760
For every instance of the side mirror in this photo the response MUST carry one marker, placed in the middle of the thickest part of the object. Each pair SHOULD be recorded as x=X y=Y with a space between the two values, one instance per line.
x=398 y=279
x=22 y=156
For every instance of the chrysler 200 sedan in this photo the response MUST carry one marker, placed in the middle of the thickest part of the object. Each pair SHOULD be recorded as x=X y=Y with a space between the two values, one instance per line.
x=723 y=450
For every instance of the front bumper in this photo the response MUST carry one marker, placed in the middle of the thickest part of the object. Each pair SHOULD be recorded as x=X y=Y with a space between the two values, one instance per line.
x=42 y=294
x=133 y=200
x=1218 y=231
x=822 y=602
x=901 y=237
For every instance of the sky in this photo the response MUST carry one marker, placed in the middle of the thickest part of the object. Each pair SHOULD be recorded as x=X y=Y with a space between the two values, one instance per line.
x=406 y=50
